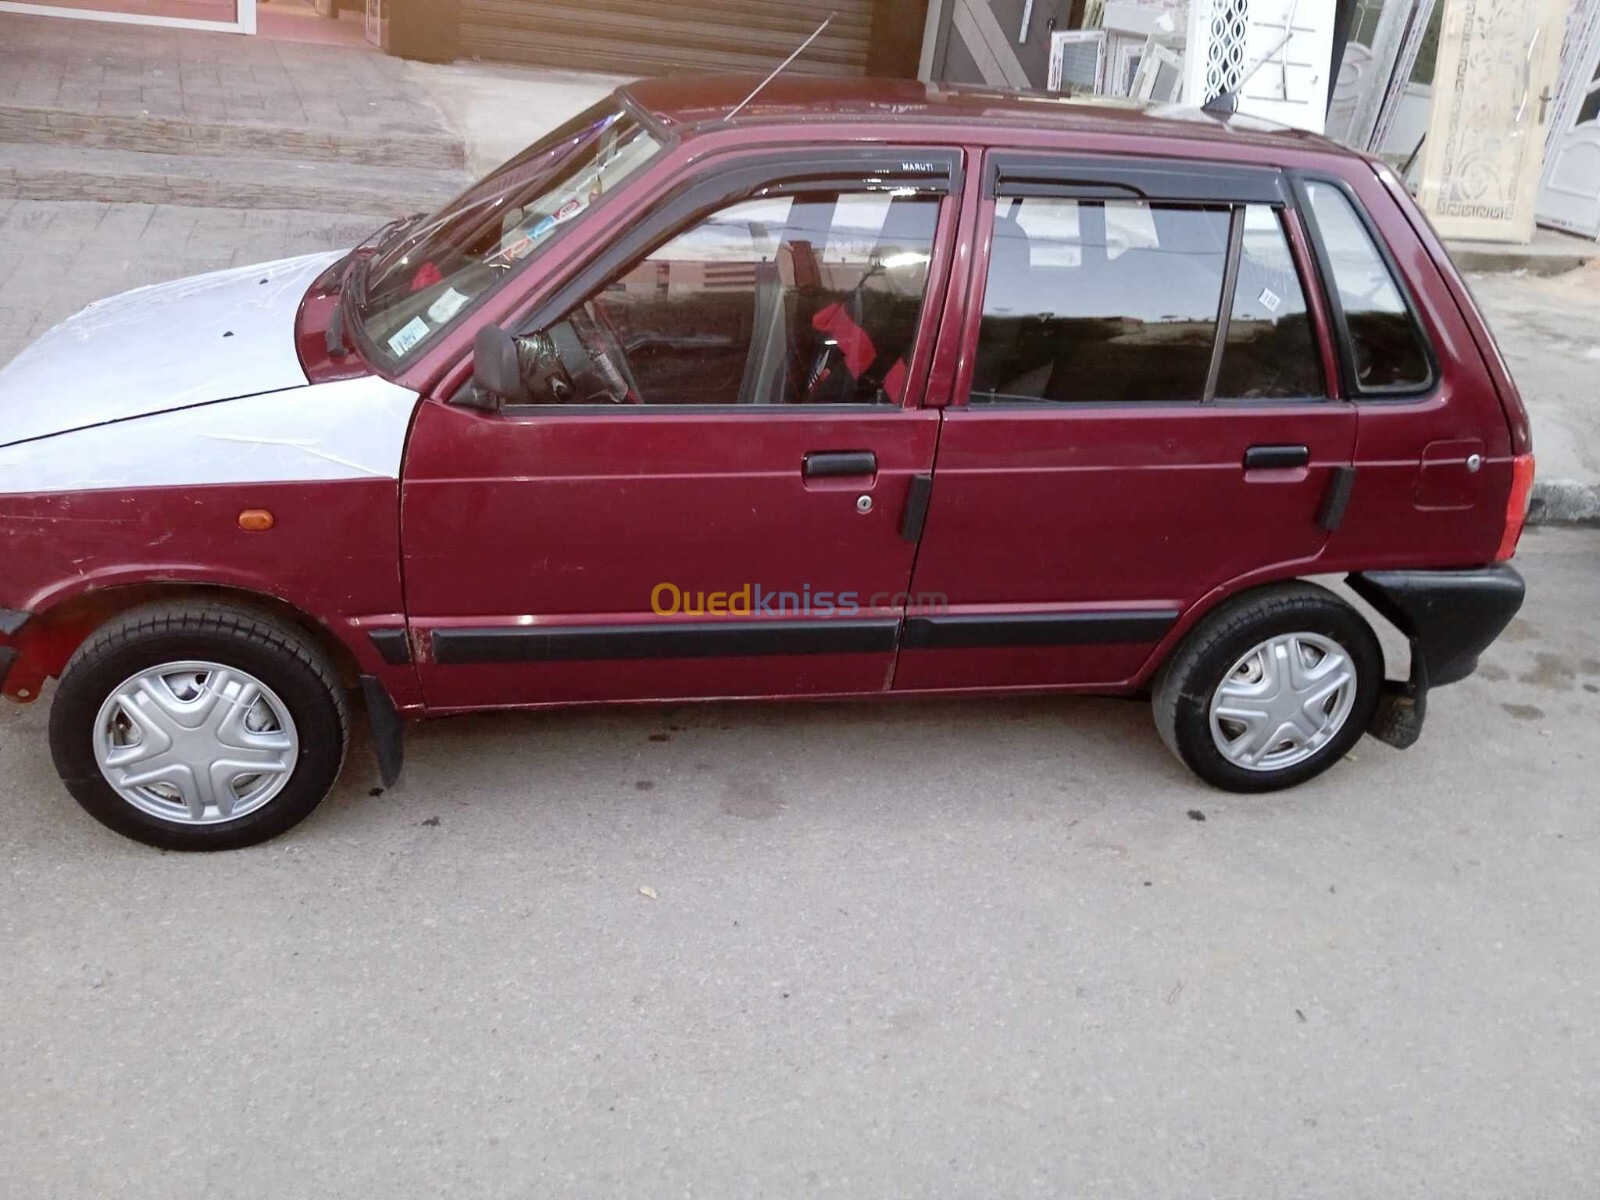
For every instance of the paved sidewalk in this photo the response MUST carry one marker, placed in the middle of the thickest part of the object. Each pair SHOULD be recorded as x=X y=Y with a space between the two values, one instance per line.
x=123 y=70
x=499 y=108
x=1549 y=331
x=55 y=257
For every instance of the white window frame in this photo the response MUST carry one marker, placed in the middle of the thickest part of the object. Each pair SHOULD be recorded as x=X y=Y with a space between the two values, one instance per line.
x=1060 y=40
x=244 y=22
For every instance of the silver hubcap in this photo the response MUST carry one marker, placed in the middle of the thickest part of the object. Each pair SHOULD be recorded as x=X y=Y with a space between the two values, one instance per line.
x=195 y=743
x=1283 y=701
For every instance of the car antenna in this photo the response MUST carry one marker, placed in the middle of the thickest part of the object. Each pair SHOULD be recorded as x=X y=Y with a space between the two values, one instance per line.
x=779 y=69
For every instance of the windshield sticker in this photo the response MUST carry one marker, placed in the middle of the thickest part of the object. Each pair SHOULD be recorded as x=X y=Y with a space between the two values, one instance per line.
x=446 y=306
x=514 y=248
x=1270 y=300
x=412 y=332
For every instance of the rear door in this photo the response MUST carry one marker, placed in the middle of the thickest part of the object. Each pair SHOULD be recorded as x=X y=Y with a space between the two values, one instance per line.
x=1142 y=416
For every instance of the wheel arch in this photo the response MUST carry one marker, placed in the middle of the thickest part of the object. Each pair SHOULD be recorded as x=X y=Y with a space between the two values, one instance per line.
x=1391 y=639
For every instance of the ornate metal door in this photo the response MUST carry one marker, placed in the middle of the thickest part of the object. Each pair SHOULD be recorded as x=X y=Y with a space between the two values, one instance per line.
x=1492 y=85
x=1570 y=197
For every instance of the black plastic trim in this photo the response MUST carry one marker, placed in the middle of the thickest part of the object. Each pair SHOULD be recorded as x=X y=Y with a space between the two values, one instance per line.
x=1038 y=629
x=1337 y=498
x=1451 y=617
x=1022 y=173
x=8 y=655
x=13 y=619
x=388 y=730
x=918 y=492
x=686 y=639
x=1271 y=458
x=392 y=645
x=1230 y=284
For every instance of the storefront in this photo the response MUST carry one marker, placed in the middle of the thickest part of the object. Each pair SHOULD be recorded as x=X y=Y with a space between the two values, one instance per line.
x=630 y=37
x=647 y=37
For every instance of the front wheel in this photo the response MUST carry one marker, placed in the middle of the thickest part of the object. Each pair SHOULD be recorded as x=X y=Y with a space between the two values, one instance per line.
x=198 y=726
x=1270 y=690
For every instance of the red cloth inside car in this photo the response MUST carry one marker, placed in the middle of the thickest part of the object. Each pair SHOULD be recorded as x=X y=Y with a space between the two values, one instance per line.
x=857 y=349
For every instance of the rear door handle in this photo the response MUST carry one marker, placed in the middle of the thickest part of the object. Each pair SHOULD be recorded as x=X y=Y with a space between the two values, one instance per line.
x=834 y=464
x=1264 y=458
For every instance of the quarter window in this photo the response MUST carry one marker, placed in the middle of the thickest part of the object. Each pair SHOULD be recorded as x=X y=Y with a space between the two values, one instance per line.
x=1384 y=343
x=784 y=300
x=1100 y=301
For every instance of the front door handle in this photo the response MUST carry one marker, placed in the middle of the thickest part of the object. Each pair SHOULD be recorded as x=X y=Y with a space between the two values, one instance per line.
x=836 y=464
x=1264 y=458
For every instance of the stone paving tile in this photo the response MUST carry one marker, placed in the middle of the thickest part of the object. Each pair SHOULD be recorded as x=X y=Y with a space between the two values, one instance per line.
x=56 y=257
x=172 y=73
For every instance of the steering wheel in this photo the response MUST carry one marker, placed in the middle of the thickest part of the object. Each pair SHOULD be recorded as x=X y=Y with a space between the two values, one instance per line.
x=609 y=347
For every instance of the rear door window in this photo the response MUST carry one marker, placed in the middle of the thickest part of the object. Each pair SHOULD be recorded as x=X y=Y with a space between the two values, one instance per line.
x=1100 y=301
x=1386 y=348
x=1270 y=352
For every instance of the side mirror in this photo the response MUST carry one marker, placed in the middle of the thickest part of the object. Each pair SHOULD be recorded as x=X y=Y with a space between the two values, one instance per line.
x=496 y=370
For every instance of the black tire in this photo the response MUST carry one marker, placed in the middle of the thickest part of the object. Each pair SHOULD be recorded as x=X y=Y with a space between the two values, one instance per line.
x=1185 y=685
x=283 y=658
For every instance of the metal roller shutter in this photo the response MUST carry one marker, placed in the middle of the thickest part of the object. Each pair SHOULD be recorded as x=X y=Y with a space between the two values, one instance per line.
x=674 y=37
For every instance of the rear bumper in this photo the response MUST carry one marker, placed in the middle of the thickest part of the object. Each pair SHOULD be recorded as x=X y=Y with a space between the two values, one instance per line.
x=1450 y=618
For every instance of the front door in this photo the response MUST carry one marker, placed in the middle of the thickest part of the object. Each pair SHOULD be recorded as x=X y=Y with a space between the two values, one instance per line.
x=1116 y=451
x=705 y=491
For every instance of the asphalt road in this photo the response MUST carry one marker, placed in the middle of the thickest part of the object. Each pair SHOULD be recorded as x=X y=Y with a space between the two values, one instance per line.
x=952 y=949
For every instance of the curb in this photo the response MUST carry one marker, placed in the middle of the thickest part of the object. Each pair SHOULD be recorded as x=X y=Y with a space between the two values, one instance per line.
x=1564 y=502
x=1483 y=261
x=408 y=147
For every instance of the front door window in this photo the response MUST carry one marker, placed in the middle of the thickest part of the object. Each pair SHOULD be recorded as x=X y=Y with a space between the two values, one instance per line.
x=798 y=300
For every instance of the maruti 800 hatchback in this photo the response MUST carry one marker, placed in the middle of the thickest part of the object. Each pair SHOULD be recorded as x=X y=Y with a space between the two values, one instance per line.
x=992 y=393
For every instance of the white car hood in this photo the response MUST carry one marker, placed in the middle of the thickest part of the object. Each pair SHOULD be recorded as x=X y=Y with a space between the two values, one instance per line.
x=157 y=349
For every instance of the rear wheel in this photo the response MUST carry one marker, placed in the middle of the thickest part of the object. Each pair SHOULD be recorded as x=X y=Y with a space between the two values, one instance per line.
x=1271 y=690
x=198 y=727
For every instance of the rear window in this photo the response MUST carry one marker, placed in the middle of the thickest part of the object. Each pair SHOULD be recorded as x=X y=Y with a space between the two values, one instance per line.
x=1385 y=346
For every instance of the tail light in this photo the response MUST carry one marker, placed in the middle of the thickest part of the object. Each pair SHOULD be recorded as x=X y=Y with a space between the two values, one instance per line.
x=1516 y=505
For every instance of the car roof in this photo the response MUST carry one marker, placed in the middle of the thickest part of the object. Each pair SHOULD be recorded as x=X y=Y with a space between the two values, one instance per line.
x=690 y=102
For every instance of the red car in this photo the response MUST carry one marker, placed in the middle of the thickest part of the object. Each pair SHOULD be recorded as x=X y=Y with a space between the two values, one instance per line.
x=866 y=389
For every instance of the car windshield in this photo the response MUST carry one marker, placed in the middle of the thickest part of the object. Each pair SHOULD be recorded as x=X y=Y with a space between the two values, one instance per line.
x=417 y=285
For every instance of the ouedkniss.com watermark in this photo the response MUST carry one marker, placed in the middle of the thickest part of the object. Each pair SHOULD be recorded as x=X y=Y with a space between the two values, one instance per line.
x=668 y=599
